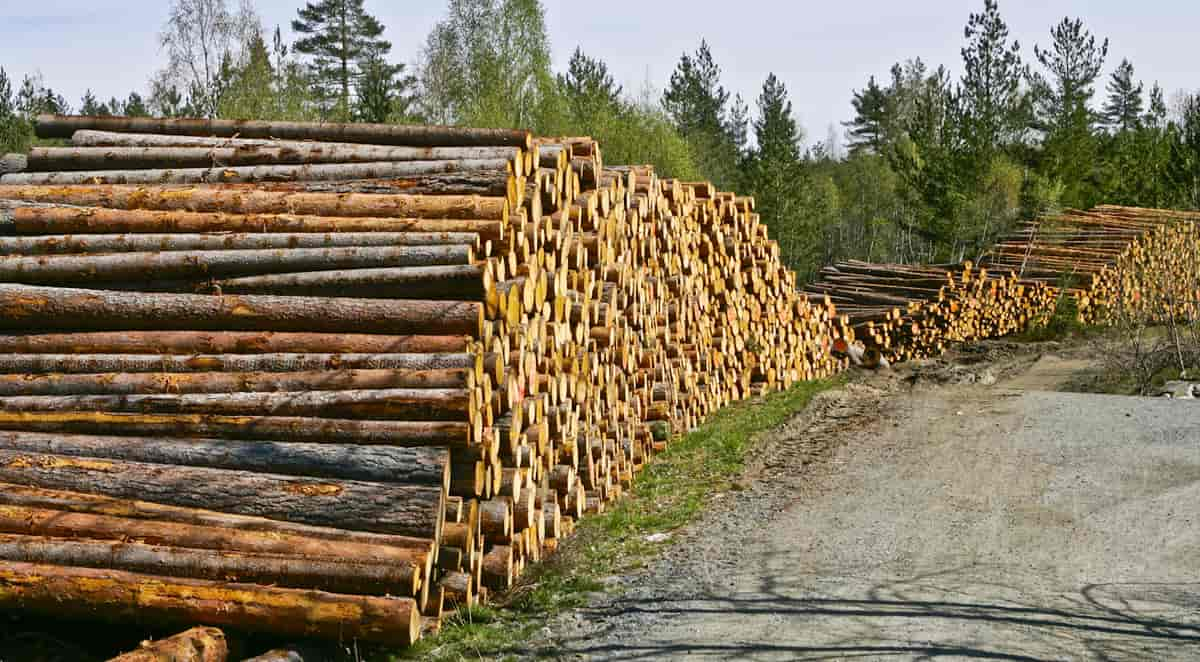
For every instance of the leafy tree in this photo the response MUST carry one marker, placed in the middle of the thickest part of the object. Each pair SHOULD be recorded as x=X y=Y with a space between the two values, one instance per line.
x=990 y=99
x=342 y=39
x=1123 y=111
x=201 y=37
x=697 y=103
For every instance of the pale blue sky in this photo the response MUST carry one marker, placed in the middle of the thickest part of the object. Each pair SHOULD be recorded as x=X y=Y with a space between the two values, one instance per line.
x=821 y=50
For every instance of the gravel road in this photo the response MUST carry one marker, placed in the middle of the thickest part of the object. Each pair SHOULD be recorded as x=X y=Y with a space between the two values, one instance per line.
x=962 y=517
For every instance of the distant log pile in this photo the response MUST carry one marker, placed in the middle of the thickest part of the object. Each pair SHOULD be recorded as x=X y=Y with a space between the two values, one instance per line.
x=332 y=381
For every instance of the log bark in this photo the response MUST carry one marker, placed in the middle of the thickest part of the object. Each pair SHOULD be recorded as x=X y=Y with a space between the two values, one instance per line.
x=267 y=428
x=233 y=152
x=348 y=576
x=83 y=269
x=455 y=283
x=23 y=307
x=116 y=596
x=236 y=200
x=496 y=182
x=63 y=126
x=292 y=654
x=200 y=644
x=22 y=219
x=177 y=363
x=383 y=508
x=379 y=464
x=329 y=172
x=142 y=243
x=228 y=342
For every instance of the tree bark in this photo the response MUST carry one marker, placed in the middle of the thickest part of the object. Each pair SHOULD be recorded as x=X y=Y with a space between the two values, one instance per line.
x=117 y=596
x=461 y=283
x=233 y=152
x=489 y=182
x=383 y=508
x=348 y=576
x=228 y=342
x=291 y=654
x=195 y=645
x=63 y=126
x=83 y=269
x=378 y=464
x=144 y=243
x=23 y=307
x=136 y=363
x=19 y=218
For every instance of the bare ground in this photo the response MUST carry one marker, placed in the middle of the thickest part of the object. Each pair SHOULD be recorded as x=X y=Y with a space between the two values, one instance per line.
x=950 y=509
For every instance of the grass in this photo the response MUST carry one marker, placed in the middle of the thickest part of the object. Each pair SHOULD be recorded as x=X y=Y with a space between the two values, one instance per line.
x=670 y=492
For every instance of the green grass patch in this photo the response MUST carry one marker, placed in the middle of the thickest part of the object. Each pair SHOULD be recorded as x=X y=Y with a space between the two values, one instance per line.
x=669 y=493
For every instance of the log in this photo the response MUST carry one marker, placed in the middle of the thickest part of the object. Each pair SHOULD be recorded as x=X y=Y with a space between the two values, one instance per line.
x=63 y=126
x=235 y=200
x=383 y=508
x=289 y=571
x=234 y=152
x=23 y=307
x=461 y=283
x=83 y=269
x=380 y=464
x=292 y=654
x=228 y=342
x=116 y=596
x=178 y=363
x=262 y=173
x=312 y=430
x=23 y=219
x=142 y=243
x=490 y=182
x=201 y=644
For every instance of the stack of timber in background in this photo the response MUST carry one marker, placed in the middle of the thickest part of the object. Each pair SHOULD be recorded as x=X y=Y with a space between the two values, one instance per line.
x=365 y=373
x=901 y=312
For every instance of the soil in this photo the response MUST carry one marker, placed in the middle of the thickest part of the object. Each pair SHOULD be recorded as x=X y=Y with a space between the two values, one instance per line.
x=959 y=508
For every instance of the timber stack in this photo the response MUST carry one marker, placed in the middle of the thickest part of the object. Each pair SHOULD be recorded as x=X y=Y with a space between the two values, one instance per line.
x=333 y=381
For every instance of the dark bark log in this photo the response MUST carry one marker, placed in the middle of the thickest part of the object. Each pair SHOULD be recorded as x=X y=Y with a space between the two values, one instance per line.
x=85 y=269
x=13 y=163
x=490 y=183
x=142 y=243
x=454 y=283
x=241 y=200
x=314 y=430
x=23 y=308
x=228 y=342
x=292 y=654
x=265 y=173
x=231 y=382
x=378 y=464
x=171 y=363
x=62 y=126
x=383 y=508
x=18 y=218
x=239 y=153
x=385 y=404
x=289 y=571
x=195 y=645
x=116 y=596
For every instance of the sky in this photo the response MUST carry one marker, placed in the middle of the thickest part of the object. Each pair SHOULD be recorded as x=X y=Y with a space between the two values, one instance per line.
x=821 y=50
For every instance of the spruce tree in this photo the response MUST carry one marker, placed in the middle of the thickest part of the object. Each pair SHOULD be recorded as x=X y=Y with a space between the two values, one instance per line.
x=871 y=114
x=990 y=97
x=339 y=36
x=588 y=85
x=1123 y=111
x=88 y=104
x=697 y=104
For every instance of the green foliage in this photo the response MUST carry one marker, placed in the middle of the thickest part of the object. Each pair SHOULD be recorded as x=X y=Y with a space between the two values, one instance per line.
x=992 y=106
x=1184 y=165
x=697 y=104
x=15 y=132
x=267 y=85
x=347 y=49
x=1123 y=110
x=203 y=39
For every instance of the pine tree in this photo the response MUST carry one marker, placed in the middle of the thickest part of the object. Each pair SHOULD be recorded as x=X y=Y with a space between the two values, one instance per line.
x=871 y=113
x=382 y=91
x=588 y=86
x=340 y=36
x=89 y=106
x=1157 y=115
x=135 y=106
x=697 y=103
x=1123 y=112
x=1184 y=167
x=15 y=132
x=739 y=125
x=990 y=98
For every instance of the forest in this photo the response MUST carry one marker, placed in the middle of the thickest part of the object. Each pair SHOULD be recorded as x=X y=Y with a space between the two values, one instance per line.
x=936 y=168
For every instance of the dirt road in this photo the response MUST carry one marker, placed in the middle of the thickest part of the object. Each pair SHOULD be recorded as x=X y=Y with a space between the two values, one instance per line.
x=960 y=521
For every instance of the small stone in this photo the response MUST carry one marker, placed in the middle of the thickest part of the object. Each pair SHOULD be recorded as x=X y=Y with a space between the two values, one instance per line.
x=658 y=537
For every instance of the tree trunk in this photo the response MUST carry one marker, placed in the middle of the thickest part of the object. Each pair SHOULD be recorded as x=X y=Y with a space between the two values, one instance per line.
x=63 y=126
x=228 y=342
x=145 y=243
x=84 y=269
x=383 y=508
x=379 y=464
x=235 y=152
x=106 y=363
x=291 y=654
x=490 y=183
x=237 y=200
x=23 y=308
x=22 y=219
x=117 y=596
x=195 y=645
x=461 y=283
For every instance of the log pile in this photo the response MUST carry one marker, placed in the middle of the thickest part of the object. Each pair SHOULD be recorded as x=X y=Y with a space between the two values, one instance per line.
x=333 y=381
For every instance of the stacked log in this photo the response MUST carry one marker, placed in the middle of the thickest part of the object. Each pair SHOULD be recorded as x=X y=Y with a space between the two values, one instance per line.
x=353 y=373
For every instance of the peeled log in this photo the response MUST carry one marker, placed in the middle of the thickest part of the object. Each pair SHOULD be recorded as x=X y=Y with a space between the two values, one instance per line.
x=290 y=571
x=116 y=596
x=250 y=201
x=228 y=342
x=23 y=307
x=82 y=269
x=63 y=126
x=240 y=153
x=313 y=430
x=195 y=645
x=379 y=464
x=178 y=363
x=141 y=243
x=383 y=508
x=55 y=220
x=463 y=283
